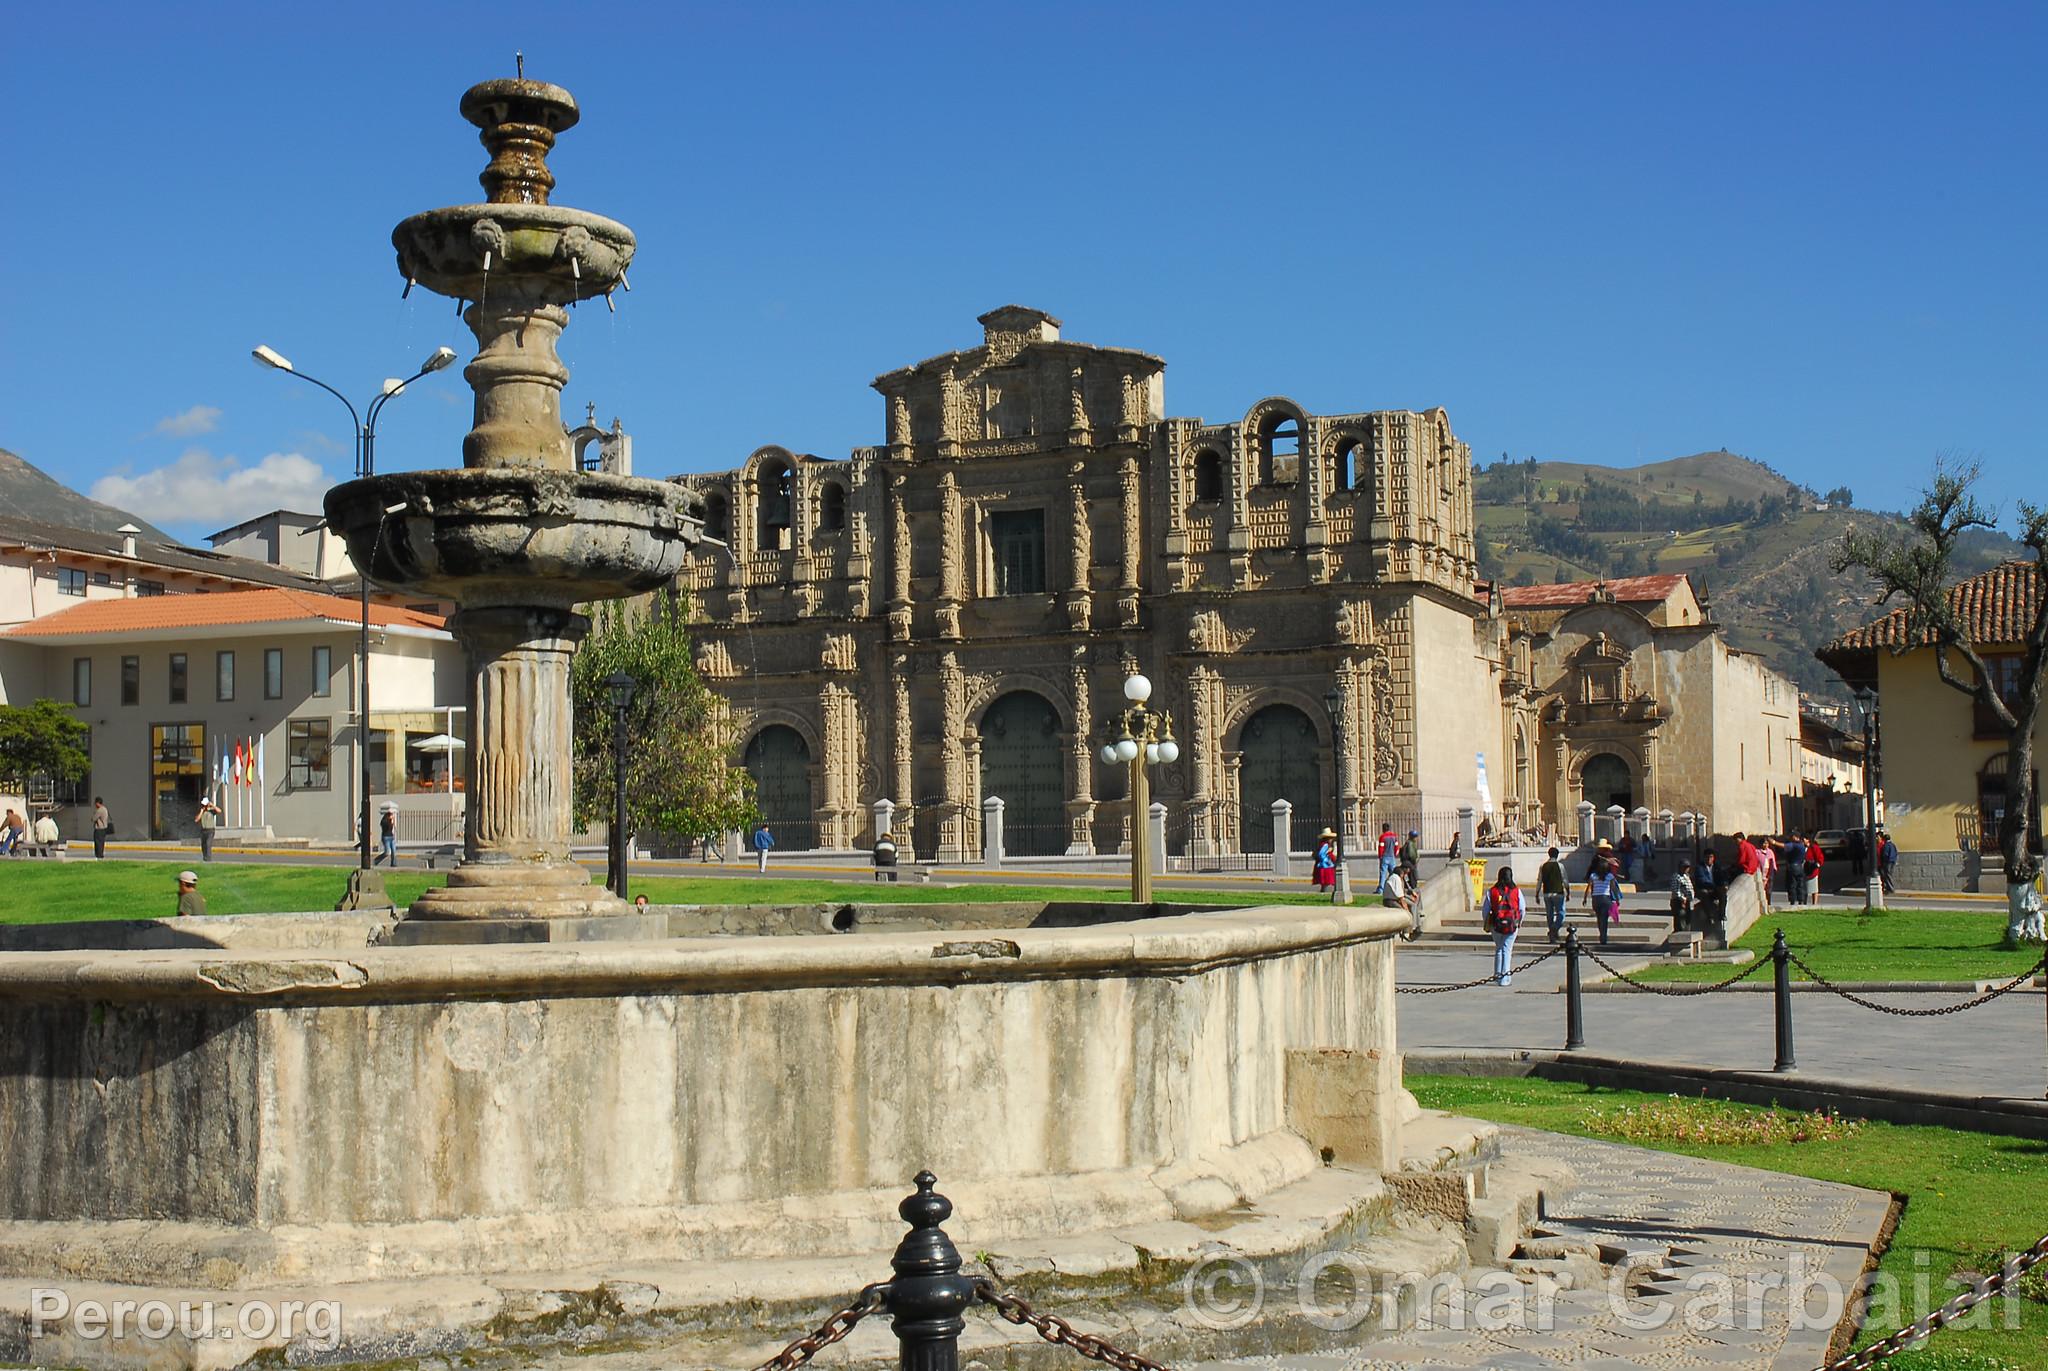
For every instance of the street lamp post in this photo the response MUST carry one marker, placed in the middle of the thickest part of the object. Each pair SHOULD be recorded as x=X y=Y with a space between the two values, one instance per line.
x=1873 y=878
x=1142 y=736
x=621 y=686
x=366 y=465
x=1340 y=893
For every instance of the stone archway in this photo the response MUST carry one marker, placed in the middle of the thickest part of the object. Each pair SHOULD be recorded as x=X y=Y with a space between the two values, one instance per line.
x=1024 y=763
x=779 y=760
x=1282 y=760
x=1607 y=779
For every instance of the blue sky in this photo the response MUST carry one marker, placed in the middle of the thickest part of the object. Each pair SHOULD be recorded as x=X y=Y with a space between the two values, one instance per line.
x=1809 y=233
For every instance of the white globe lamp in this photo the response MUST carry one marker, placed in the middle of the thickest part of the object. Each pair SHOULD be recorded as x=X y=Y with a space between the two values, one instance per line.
x=1126 y=749
x=1169 y=751
x=1137 y=690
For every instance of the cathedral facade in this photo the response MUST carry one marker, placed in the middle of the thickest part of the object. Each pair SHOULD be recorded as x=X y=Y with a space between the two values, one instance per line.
x=952 y=615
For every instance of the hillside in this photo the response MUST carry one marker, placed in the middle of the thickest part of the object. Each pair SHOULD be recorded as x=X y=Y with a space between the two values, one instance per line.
x=27 y=493
x=1756 y=543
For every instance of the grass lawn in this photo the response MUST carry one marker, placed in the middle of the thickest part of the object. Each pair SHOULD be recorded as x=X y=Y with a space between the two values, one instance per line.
x=1971 y=1198
x=68 y=892
x=1892 y=945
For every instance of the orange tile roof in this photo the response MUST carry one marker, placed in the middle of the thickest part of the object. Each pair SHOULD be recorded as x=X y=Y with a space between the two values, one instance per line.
x=1994 y=607
x=149 y=613
x=1626 y=589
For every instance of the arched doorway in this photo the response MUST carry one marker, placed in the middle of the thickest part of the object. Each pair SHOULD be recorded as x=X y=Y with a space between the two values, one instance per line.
x=1021 y=762
x=780 y=762
x=1606 y=780
x=1282 y=760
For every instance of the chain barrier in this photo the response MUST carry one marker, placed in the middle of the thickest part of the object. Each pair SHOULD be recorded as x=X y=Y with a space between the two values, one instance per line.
x=1058 y=1331
x=1759 y=964
x=1913 y=1333
x=828 y=1332
x=1986 y=998
x=1483 y=980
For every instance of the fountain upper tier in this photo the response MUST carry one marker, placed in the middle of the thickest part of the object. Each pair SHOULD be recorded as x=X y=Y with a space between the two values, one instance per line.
x=517 y=244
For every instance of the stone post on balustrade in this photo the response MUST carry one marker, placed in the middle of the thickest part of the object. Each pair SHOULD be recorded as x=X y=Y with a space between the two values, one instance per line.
x=992 y=831
x=1585 y=835
x=1283 y=834
x=1157 y=838
x=885 y=819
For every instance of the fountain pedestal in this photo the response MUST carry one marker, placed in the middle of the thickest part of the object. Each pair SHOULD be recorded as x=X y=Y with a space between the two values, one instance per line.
x=519 y=537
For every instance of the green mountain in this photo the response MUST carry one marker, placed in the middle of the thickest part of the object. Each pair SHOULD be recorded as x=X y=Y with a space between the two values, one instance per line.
x=27 y=493
x=1755 y=543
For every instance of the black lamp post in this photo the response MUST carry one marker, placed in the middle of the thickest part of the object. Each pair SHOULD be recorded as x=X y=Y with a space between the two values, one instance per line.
x=622 y=687
x=1340 y=893
x=1873 y=879
x=366 y=465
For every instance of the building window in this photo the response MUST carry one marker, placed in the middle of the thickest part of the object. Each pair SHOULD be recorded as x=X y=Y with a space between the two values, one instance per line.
x=223 y=676
x=718 y=517
x=102 y=578
x=1017 y=537
x=131 y=680
x=81 y=681
x=70 y=581
x=310 y=753
x=177 y=678
x=772 y=505
x=1208 y=475
x=1279 y=450
x=832 y=508
x=273 y=673
x=2005 y=679
x=323 y=671
x=149 y=587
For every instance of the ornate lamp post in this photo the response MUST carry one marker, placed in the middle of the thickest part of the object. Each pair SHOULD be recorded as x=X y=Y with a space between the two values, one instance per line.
x=1332 y=701
x=1873 y=880
x=1142 y=735
x=365 y=425
x=621 y=686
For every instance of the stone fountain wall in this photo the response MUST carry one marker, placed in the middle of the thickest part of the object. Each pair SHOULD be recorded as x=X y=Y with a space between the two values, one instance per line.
x=230 y=1116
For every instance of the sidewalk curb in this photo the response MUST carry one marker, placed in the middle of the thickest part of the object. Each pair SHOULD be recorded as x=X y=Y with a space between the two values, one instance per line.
x=2009 y=1115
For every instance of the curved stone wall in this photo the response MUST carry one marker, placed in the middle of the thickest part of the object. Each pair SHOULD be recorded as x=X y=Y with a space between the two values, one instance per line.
x=231 y=1117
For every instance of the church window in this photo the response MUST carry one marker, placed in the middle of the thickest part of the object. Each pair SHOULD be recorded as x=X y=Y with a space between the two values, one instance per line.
x=773 y=524
x=1017 y=539
x=1208 y=475
x=718 y=516
x=832 y=508
x=1279 y=450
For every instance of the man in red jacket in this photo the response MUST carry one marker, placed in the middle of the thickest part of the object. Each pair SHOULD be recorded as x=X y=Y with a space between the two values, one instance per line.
x=1746 y=860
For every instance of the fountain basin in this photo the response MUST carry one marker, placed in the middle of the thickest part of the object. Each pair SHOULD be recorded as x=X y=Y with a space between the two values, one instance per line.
x=222 y=1117
x=515 y=536
x=532 y=250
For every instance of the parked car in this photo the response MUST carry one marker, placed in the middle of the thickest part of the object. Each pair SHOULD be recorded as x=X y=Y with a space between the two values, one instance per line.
x=1834 y=844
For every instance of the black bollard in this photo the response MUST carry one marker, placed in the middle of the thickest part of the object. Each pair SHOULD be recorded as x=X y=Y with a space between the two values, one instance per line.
x=928 y=1294
x=1782 y=955
x=1574 y=1005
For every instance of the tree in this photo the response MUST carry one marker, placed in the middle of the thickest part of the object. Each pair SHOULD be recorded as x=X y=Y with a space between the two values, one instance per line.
x=677 y=776
x=1916 y=570
x=1842 y=497
x=43 y=739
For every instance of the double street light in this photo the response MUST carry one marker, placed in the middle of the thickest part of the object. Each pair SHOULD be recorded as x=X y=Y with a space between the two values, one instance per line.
x=366 y=465
x=1142 y=737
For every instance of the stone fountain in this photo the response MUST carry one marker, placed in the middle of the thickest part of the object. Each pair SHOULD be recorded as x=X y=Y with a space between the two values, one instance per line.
x=519 y=537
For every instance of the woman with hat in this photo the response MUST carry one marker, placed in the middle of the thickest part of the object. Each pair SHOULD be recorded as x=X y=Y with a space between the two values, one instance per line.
x=1603 y=888
x=1325 y=873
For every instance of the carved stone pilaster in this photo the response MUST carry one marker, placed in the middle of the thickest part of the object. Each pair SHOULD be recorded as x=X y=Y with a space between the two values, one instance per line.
x=952 y=555
x=1080 y=549
x=899 y=566
x=1077 y=407
x=1081 y=801
x=902 y=753
x=1133 y=543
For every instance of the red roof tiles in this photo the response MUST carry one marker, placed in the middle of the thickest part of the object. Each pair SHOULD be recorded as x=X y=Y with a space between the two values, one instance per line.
x=1994 y=607
x=1625 y=589
x=156 y=612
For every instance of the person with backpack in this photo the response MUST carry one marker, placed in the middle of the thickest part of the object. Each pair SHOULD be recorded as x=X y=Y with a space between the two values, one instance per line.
x=1555 y=890
x=1390 y=853
x=1503 y=921
x=1603 y=893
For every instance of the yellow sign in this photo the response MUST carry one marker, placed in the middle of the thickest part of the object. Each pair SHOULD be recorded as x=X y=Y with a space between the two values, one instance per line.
x=1475 y=867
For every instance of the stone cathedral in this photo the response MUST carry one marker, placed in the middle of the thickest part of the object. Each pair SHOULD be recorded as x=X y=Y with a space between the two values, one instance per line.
x=951 y=615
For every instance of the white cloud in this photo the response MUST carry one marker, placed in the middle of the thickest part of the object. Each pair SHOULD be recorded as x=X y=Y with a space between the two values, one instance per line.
x=201 y=492
x=193 y=422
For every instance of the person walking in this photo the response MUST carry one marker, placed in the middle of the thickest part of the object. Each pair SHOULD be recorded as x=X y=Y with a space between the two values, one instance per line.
x=1627 y=853
x=102 y=825
x=387 y=834
x=1555 y=890
x=1603 y=893
x=1411 y=855
x=190 y=902
x=209 y=820
x=1859 y=852
x=1810 y=872
x=1503 y=921
x=1323 y=866
x=1684 y=899
x=1767 y=867
x=1647 y=850
x=763 y=840
x=1390 y=853
x=1887 y=859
